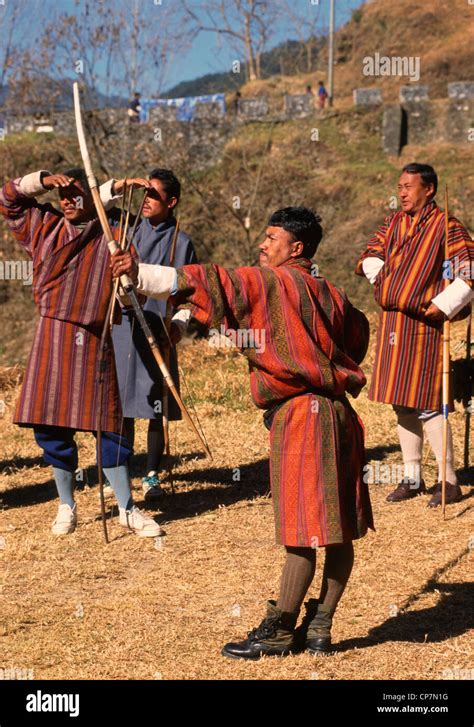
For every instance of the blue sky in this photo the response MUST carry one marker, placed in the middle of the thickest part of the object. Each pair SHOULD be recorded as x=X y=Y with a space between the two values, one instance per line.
x=206 y=57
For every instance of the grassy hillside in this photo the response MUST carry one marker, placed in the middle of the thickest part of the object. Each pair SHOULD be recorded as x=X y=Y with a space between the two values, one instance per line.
x=439 y=32
x=344 y=176
x=333 y=163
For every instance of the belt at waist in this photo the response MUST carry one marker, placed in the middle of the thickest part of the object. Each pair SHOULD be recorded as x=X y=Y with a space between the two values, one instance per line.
x=269 y=414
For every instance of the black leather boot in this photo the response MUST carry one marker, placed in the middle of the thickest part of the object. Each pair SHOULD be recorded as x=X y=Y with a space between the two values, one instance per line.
x=274 y=637
x=314 y=632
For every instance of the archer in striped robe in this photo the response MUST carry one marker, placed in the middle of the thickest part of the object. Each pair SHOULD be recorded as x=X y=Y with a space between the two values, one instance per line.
x=303 y=340
x=313 y=340
x=72 y=286
x=405 y=260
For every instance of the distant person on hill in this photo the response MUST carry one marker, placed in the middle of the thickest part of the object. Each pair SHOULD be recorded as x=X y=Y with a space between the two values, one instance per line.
x=405 y=260
x=236 y=103
x=72 y=285
x=134 y=109
x=304 y=341
x=309 y=92
x=140 y=382
x=322 y=95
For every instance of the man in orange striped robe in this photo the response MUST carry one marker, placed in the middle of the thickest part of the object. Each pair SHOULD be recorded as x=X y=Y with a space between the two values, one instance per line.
x=72 y=287
x=304 y=341
x=416 y=289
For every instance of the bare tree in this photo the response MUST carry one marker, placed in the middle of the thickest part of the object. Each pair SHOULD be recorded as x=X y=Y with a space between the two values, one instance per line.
x=227 y=212
x=245 y=23
x=9 y=19
x=302 y=19
x=110 y=52
x=80 y=45
x=151 y=40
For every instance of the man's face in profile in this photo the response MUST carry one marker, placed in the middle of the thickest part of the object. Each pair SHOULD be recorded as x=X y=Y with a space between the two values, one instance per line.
x=278 y=246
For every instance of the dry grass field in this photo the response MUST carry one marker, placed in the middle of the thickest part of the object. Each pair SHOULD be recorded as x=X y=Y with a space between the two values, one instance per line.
x=143 y=609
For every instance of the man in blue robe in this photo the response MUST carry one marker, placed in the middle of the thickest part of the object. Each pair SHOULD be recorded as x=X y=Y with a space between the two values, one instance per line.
x=140 y=380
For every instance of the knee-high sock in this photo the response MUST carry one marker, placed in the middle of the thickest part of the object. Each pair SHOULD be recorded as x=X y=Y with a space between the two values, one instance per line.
x=129 y=430
x=65 y=486
x=120 y=482
x=155 y=444
x=298 y=573
x=337 y=570
x=410 y=434
x=434 y=432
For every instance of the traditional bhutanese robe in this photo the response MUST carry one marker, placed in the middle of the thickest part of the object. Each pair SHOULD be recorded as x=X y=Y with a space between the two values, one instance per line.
x=72 y=285
x=408 y=362
x=306 y=363
x=140 y=379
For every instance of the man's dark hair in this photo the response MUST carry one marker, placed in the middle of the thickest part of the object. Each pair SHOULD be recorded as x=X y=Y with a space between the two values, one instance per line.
x=303 y=224
x=170 y=182
x=427 y=173
x=79 y=175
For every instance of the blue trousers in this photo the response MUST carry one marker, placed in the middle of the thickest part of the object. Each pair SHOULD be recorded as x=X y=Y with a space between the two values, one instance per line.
x=60 y=449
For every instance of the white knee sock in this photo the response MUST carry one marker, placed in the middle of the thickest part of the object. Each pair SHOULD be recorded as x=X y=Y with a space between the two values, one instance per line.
x=410 y=434
x=434 y=432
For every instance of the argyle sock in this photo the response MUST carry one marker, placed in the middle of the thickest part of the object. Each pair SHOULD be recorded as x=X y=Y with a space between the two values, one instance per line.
x=120 y=483
x=410 y=434
x=65 y=486
x=298 y=573
x=434 y=432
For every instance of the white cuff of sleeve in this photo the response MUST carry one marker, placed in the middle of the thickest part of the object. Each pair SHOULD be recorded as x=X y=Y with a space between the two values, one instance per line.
x=181 y=319
x=157 y=281
x=454 y=297
x=372 y=267
x=30 y=184
x=106 y=195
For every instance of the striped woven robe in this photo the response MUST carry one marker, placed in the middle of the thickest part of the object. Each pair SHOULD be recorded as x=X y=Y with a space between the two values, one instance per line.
x=408 y=363
x=72 y=286
x=314 y=338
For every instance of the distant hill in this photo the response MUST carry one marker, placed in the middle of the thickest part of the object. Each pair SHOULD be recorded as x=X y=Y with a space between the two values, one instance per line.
x=287 y=58
x=60 y=90
x=438 y=32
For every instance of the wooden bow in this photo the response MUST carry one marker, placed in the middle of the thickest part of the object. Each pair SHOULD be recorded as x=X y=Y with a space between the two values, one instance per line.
x=129 y=289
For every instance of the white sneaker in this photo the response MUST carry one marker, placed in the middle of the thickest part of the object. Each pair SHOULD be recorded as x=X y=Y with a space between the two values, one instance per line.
x=66 y=520
x=141 y=525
